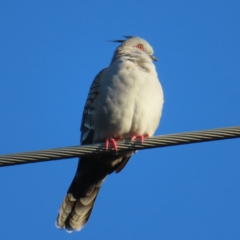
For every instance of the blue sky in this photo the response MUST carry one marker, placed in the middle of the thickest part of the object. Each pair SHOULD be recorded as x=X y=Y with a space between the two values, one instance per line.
x=51 y=51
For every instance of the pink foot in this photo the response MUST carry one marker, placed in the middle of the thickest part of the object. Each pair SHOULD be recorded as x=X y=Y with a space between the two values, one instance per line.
x=112 y=140
x=141 y=137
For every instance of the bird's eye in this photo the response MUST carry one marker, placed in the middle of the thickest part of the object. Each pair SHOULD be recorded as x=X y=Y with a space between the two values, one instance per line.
x=140 y=46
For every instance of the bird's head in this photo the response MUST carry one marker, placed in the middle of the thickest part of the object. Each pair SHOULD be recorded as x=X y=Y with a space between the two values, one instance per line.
x=134 y=46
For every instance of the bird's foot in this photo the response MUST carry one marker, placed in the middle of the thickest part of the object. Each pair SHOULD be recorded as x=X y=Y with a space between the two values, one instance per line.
x=141 y=137
x=113 y=142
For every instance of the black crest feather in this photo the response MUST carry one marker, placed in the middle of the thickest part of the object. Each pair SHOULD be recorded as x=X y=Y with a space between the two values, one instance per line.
x=121 y=41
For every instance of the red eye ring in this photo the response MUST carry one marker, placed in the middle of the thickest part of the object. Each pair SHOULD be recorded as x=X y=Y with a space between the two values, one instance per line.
x=140 y=46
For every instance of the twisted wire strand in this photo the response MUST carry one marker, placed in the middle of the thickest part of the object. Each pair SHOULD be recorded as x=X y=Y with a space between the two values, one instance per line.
x=125 y=145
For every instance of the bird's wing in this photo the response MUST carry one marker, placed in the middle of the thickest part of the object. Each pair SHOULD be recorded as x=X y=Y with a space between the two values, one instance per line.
x=87 y=125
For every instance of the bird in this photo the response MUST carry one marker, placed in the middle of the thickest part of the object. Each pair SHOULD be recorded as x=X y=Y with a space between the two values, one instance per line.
x=125 y=101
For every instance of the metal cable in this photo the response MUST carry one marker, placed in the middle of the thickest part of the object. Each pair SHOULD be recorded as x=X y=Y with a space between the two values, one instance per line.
x=126 y=145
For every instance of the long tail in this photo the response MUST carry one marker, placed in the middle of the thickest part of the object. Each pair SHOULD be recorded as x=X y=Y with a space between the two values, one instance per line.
x=74 y=212
x=78 y=203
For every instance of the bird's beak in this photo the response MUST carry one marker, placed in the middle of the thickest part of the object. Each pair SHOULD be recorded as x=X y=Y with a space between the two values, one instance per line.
x=153 y=58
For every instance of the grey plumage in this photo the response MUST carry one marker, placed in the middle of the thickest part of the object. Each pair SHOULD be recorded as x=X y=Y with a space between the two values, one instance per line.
x=124 y=100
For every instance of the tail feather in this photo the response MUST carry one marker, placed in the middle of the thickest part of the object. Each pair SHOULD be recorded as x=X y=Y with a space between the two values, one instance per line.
x=82 y=193
x=74 y=213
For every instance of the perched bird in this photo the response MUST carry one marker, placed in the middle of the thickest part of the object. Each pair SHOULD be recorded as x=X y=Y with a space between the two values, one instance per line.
x=124 y=102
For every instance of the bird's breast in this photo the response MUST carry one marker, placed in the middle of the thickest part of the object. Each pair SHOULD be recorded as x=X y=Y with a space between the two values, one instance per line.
x=129 y=103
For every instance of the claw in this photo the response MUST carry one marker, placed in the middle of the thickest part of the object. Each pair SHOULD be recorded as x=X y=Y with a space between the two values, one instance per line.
x=141 y=137
x=106 y=144
x=133 y=138
x=112 y=140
